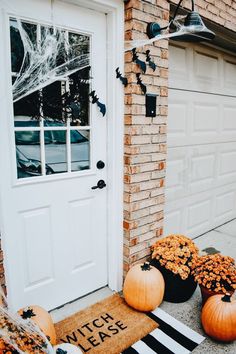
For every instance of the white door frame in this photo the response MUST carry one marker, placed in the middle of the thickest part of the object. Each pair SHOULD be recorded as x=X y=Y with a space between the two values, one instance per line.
x=115 y=112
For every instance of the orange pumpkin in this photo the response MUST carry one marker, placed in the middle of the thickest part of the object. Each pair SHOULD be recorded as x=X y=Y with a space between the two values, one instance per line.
x=144 y=287
x=41 y=318
x=219 y=317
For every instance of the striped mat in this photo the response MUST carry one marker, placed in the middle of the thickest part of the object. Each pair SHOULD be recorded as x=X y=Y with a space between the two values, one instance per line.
x=171 y=337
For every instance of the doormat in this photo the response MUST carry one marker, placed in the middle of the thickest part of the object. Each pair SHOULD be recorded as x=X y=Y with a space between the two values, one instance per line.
x=107 y=327
x=171 y=337
x=112 y=327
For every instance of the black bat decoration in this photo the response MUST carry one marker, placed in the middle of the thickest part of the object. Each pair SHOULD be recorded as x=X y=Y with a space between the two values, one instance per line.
x=95 y=99
x=141 y=63
x=150 y=62
x=122 y=78
x=139 y=82
x=61 y=351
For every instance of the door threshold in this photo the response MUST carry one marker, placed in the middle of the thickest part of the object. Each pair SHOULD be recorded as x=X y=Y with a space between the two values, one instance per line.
x=72 y=307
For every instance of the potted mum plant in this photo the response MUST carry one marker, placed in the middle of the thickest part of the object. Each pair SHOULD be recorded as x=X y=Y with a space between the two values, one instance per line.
x=173 y=255
x=215 y=274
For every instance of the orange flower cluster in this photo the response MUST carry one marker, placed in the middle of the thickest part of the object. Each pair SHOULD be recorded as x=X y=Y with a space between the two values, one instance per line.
x=215 y=272
x=175 y=253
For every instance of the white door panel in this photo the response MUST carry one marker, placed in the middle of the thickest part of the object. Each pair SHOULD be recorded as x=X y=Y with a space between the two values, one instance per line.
x=201 y=156
x=54 y=226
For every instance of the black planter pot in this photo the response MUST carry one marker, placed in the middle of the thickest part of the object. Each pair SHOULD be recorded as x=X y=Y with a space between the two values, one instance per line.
x=176 y=289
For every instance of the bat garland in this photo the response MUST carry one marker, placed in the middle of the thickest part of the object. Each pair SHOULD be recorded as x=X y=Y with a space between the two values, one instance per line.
x=136 y=59
x=123 y=79
x=95 y=99
x=139 y=82
x=150 y=62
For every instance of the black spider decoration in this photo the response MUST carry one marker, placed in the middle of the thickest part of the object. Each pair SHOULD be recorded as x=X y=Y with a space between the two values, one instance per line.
x=95 y=99
x=28 y=313
x=136 y=59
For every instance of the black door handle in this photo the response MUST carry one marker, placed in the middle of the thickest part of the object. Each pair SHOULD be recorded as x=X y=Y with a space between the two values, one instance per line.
x=101 y=184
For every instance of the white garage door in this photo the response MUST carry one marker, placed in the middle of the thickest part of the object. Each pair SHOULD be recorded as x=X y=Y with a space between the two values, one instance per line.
x=201 y=160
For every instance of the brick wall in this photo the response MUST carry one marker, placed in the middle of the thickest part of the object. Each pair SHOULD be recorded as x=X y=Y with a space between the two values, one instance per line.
x=145 y=138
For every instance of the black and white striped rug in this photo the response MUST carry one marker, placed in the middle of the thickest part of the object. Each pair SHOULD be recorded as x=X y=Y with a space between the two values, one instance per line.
x=171 y=337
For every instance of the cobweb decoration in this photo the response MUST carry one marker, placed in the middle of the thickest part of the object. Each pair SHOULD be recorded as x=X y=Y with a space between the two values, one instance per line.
x=54 y=58
x=180 y=30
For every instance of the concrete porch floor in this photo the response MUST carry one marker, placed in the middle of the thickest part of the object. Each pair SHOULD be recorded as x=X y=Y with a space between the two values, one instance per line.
x=222 y=239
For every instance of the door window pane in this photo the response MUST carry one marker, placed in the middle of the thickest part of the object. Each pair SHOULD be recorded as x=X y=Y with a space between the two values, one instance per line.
x=28 y=154
x=79 y=93
x=17 y=48
x=55 y=151
x=27 y=111
x=80 y=150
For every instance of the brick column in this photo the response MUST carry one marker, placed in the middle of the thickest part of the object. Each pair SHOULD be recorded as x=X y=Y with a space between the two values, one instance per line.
x=145 y=137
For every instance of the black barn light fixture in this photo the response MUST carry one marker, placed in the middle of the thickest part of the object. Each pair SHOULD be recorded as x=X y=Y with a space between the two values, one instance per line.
x=193 y=30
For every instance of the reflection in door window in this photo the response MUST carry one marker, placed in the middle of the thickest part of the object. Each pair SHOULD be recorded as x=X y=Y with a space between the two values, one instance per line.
x=80 y=150
x=28 y=154
x=45 y=116
x=55 y=150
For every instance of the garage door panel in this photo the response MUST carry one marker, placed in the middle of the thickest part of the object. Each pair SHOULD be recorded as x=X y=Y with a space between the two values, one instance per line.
x=229 y=119
x=176 y=179
x=198 y=68
x=179 y=65
x=206 y=69
x=203 y=170
x=200 y=213
x=173 y=222
x=229 y=75
x=198 y=118
x=227 y=163
x=205 y=119
x=225 y=206
x=190 y=170
x=177 y=121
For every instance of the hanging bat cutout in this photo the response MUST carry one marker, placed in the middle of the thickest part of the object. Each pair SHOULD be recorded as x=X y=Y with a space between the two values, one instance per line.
x=95 y=99
x=139 y=82
x=141 y=63
x=122 y=78
x=150 y=62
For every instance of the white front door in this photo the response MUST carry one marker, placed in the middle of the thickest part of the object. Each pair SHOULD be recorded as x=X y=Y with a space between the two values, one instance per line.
x=53 y=223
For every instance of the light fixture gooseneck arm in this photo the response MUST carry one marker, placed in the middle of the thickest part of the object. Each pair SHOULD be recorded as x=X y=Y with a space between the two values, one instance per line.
x=177 y=9
x=175 y=14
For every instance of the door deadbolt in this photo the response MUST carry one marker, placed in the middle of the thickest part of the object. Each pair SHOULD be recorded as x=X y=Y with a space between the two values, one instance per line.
x=100 y=164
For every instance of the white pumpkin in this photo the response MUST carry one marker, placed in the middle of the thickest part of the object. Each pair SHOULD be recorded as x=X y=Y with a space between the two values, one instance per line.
x=67 y=348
